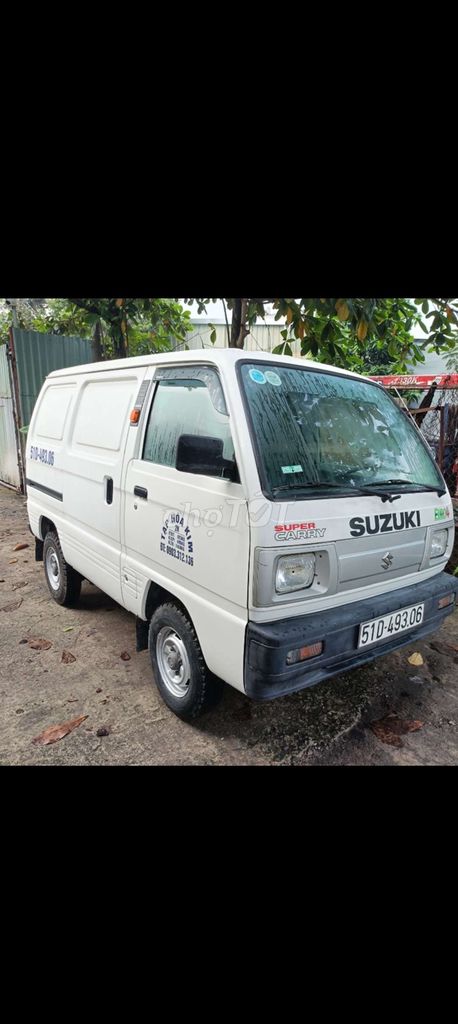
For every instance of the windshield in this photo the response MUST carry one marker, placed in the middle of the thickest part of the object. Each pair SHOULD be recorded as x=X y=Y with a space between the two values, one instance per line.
x=315 y=429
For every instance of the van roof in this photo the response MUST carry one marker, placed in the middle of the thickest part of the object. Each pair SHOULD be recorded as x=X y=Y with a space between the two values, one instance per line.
x=216 y=357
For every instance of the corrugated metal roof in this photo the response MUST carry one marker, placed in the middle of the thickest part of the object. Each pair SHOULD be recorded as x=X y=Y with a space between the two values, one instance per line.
x=262 y=338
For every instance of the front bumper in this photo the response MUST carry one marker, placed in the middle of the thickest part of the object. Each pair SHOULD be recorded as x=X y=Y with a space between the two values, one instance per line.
x=267 y=644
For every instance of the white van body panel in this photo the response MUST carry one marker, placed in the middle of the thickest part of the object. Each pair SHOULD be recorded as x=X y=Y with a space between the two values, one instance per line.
x=212 y=543
x=90 y=452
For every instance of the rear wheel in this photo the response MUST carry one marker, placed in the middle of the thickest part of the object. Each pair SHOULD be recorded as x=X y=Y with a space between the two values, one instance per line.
x=64 y=582
x=182 y=677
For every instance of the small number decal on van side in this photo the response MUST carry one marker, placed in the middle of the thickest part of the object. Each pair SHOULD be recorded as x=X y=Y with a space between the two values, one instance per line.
x=42 y=455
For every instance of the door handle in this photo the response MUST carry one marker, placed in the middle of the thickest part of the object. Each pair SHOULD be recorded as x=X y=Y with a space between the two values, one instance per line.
x=108 y=490
x=141 y=492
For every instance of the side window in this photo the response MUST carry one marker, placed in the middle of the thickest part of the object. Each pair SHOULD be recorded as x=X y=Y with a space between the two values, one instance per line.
x=187 y=401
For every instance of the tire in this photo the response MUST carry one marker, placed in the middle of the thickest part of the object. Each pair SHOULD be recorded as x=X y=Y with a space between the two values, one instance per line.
x=182 y=677
x=64 y=583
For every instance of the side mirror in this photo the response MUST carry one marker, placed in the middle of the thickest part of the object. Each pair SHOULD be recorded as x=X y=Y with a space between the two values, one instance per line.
x=204 y=455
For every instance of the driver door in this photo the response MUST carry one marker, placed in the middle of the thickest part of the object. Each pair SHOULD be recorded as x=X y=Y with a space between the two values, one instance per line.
x=181 y=527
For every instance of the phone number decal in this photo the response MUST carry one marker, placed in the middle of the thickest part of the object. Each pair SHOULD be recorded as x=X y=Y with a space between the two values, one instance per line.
x=176 y=540
x=42 y=455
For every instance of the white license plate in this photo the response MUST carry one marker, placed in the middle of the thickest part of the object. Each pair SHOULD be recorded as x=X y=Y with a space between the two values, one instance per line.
x=386 y=626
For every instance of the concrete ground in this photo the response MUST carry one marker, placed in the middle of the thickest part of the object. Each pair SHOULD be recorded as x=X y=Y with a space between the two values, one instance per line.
x=328 y=724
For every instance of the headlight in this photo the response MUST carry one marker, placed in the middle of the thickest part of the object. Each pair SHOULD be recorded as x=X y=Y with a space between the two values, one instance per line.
x=439 y=543
x=294 y=572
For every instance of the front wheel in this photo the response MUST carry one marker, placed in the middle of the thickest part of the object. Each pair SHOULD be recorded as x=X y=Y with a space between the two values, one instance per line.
x=182 y=677
x=64 y=582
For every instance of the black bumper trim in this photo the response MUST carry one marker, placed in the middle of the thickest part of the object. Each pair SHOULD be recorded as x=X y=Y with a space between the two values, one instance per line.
x=267 y=644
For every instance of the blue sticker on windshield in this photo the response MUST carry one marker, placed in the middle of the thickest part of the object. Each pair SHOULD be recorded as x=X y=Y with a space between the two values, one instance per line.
x=257 y=376
x=273 y=378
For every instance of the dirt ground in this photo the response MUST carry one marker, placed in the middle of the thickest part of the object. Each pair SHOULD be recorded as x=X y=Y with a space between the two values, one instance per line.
x=328 y=724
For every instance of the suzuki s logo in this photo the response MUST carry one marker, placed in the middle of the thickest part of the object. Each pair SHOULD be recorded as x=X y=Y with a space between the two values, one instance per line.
x=387 y=560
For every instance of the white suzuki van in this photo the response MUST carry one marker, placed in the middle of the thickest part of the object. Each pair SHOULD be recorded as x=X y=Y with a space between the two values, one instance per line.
x=270 y=522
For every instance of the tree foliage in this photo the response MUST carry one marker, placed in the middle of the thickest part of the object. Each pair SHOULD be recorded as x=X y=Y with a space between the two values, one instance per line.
x=340 y=330
x=117 y=327
x=136 y=325
x=366 y=335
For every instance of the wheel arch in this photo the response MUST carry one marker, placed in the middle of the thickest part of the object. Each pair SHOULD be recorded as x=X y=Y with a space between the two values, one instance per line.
x=157 y=595
x=45 y=525
x=210 y=622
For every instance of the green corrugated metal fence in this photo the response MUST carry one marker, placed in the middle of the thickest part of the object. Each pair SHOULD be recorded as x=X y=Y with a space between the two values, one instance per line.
x=32 y=357
x=39 y=354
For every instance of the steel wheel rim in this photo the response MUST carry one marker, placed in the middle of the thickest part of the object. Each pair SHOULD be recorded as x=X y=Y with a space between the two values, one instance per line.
x=53 y=568
x=173 y=662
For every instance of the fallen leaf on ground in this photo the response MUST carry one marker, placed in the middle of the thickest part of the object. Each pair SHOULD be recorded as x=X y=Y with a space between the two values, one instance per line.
x=12 y=561
x=17 y=586
x=11 y=607
x=38 y=644
x=72 y=700
x=57 y=732
x=99 y=689
x=2 y=581
x=19 y=547
x=125 y=656
x=416 y=659
x=103 y=731
x=390 y=729
x=67 y=657
x=68 y=628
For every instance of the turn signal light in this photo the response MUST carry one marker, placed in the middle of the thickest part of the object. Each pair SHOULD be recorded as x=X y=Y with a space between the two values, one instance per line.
x=444 y=601
x=135 y=415
x=303 y=653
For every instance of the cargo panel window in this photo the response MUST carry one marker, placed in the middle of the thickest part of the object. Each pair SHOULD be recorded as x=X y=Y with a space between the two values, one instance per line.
x=103 y=413
x=53 y=411
x=187 y=401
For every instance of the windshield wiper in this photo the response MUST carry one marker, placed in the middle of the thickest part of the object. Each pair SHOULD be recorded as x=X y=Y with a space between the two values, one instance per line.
x=340 y=487
x=411 y=483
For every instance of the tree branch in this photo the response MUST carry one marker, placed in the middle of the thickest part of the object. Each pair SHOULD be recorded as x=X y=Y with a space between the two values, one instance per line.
x=227 y=323
x=243 y=324
x=88 y=306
